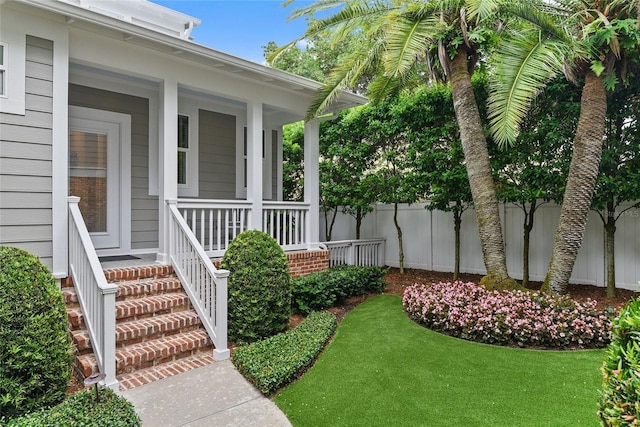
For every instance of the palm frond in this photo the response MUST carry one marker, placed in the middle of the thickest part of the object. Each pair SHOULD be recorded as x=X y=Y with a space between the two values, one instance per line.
x=345 y=73
x=537 y=14
x=482 y=9
x=524 y=65
x=406 y=40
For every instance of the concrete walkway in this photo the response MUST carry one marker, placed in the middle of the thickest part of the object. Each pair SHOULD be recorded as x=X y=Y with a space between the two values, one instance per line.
x=213 y=395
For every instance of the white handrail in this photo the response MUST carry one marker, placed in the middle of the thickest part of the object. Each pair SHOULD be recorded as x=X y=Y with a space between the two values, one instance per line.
x=97 y=298
x=356 y=252
x=205 y=285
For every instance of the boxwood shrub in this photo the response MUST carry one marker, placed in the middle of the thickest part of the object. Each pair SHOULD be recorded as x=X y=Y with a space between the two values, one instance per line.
x=324 y=289
x=35 y=345
x=620 y=394
x=81 y=409
x=272 y=363
x=259 y=287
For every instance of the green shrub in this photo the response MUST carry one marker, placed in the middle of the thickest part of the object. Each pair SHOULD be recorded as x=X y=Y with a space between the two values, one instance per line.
x=35 y=345
x=275 y=362
x=324 y=289
x=259 y=288
x=620 y=394
x=81 y=409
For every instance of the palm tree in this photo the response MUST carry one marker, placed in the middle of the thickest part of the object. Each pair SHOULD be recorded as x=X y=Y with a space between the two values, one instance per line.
x=586 y=39
x=407 y=43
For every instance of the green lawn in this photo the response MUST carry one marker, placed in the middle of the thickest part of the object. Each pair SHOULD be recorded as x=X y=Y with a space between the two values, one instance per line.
x=383 y=370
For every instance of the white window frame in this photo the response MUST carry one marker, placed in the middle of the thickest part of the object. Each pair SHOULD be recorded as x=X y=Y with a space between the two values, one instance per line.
x=191 y=187
x=14 y=40
x=3 y=68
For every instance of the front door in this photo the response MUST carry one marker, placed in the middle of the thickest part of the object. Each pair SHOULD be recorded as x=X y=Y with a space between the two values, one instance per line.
x=99 y=174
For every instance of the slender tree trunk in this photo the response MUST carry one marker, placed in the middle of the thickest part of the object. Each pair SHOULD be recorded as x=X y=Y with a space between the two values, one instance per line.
x=358 y=222
x=610 y=233
x=583 y=171
x=399 y=230
x=457 y=222
x=476 y=154
x=528 y=227
x=329 y=229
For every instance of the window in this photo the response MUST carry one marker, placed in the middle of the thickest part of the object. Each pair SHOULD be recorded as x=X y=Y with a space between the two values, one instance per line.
x=183 y=149
x=3 y=69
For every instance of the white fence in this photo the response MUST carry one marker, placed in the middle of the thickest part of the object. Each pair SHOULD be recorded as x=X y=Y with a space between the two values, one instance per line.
x=429 y=242
x=364 y=252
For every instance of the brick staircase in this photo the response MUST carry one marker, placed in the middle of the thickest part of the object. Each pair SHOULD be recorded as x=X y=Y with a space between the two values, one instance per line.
x=158 y=334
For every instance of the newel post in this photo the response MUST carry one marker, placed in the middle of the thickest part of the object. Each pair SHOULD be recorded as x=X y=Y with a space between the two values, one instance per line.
x=109 y=335
x=221 y=352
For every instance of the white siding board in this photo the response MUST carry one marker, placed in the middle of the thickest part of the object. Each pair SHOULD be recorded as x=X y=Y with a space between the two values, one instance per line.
x=11 y=149
x=31 y=119
x=10 y=217
x=39 y=71
x=40 y=103
x=39 y=50
x=11 y=166
x=38 y=86
x=19 y=133
x=17 y=200
x=24 y=184
x=23 y=233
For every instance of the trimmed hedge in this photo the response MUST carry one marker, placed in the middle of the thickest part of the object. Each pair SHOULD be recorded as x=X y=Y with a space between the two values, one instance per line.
x=620 y=394
x=35 y=345
x=81 y=409
x=275 y=362
x=259 y=287
x=317 y=291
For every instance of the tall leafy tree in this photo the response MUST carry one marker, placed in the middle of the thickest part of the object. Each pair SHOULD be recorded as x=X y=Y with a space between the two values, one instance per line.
x=533 y=171
x=586 y=39
x=293 y=162
x=407 y=39
x=618 y=185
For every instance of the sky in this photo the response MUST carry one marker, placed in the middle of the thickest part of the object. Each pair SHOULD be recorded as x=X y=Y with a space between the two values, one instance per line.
x=241 y=27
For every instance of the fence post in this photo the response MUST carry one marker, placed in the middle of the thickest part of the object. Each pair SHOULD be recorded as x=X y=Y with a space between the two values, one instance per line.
x=109 y=335
x=221 y=351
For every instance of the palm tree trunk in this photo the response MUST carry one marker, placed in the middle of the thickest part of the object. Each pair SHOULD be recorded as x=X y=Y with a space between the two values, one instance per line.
x=583 y=171
x=476 y=154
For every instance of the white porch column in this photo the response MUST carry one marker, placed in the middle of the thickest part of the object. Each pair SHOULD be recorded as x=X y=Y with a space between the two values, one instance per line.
x=312 y=181
x=168 y=162
x=254 y=162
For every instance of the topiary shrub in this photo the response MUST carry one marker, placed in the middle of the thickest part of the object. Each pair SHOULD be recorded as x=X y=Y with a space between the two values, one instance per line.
x=35 y=345
x=272 y=363
x=81 y=409
x=259 y=290
x=324 y=289
x=620 y=394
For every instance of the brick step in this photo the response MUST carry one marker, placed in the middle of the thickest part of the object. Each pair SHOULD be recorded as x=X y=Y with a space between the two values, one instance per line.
x=151 y=353
x=140 y=308
x=137 y=331
x=154 y=373
x=131 y=289
x=139 y=272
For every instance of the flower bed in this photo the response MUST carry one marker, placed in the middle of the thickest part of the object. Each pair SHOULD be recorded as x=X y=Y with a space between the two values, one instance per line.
x=526 y=319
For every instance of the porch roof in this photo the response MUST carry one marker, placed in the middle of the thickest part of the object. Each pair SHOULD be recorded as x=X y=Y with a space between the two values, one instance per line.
x=111 y=25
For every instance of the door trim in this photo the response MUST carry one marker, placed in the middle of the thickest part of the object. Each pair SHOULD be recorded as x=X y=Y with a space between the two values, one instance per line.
x=124 y=170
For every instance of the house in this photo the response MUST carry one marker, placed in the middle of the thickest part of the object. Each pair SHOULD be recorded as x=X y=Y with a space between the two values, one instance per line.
x=172 y=147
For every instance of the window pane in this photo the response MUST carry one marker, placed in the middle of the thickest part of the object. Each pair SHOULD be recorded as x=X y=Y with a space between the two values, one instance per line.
x=245 y=141
x=183 y=131
x=88 y=177
x=1 y=82
x=182 y=167
x=1 y=54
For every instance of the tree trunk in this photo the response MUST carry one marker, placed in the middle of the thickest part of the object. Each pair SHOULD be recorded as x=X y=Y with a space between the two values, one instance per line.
x=333 y=221
x=457 y=222
x=358 y=222
x=476 y=154
x=610 y=233
x=528 y=227
x=583 y=171
x=399 y=230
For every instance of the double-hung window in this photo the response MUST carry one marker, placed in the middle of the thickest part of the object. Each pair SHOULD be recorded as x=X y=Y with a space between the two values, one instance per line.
x=3 y=69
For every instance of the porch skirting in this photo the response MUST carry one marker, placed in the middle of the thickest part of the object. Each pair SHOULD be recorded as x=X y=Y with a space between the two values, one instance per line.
x=301 y=263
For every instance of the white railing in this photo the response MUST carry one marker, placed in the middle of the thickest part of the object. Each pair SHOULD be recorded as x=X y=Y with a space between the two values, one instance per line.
x=356 y=252
x=215 y=223
x=97 y=297
x=205 y=285
x=287 y=222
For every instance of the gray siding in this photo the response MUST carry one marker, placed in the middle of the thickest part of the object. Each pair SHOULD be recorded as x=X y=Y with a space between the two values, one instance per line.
x=144 y=208
x=217 y=156
x=26 y=160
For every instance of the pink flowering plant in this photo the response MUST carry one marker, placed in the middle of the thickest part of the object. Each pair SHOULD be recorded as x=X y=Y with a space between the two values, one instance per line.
x=526 y=319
